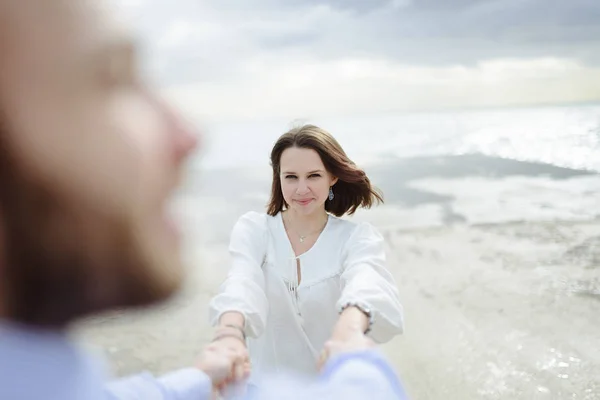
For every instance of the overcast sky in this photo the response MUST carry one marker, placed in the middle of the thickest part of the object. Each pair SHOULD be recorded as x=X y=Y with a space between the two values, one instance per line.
x=302 y=58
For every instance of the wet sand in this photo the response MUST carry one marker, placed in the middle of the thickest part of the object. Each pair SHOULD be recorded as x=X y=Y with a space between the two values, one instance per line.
x=497 y=263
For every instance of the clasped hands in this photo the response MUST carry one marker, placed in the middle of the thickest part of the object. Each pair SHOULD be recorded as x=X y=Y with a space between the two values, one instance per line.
x=226 y=360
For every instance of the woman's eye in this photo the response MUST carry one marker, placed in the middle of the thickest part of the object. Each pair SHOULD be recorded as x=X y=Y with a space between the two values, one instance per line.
x=290 y=177
x=315 y=176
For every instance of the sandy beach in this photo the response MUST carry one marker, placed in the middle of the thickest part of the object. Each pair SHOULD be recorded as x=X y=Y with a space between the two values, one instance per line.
x=497 y=263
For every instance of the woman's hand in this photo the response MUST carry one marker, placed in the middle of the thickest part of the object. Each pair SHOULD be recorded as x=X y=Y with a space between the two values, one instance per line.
x=350 y=321
x=348 y=335
x=230 y=339
x=224 y=365
x=351 y=341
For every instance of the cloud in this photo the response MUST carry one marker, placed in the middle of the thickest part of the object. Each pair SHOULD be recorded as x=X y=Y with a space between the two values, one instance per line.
x=421 y=32
x=271 y=56
x=450 y=32
x=358 y=86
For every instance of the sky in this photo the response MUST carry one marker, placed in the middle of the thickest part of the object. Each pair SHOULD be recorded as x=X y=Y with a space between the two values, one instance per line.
x=261 y=59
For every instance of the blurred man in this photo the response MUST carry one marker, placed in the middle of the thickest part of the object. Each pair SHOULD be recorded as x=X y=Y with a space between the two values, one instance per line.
x=88 y=159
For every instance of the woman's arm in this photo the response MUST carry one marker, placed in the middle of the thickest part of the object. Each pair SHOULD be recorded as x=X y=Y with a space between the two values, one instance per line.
x=241 y=301
x=351 y=320
x=369 y=298
x=232 y=318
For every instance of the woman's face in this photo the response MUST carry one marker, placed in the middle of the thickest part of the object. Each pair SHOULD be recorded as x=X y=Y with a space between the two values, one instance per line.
x=305 y=182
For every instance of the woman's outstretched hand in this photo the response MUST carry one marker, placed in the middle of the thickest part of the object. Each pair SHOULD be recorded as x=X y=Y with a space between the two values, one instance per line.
x=349 y=341
x=225 y=360
x=348 y=335
x=223 y=365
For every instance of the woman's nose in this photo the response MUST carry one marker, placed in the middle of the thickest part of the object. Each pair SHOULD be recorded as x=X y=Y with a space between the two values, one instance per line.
x=302 y=187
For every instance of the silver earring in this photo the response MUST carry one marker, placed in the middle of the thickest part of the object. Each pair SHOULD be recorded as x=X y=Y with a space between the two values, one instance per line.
x=331 y=195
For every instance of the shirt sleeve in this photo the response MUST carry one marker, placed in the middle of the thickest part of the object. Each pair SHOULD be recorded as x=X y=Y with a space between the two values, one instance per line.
x=185 y=384
x=366 y=280
x=352 y=376
x=243 y=290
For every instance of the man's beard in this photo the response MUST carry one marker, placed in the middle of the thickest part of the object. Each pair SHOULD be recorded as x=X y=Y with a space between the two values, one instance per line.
x=63 y=261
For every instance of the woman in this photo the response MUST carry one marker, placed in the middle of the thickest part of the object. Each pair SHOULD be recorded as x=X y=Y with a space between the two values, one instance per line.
x=301 y=275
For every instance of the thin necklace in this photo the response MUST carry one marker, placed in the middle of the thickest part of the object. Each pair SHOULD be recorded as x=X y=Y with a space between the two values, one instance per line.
x=303 y=237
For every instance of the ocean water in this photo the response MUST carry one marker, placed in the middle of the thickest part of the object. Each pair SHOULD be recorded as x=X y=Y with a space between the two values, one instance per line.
x=565 y=136
x=434 y=169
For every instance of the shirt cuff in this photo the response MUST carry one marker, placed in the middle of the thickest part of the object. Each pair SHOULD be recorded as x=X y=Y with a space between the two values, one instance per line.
x=188 y=383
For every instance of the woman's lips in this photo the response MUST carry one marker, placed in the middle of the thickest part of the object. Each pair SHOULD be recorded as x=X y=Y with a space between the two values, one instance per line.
x=304 y=202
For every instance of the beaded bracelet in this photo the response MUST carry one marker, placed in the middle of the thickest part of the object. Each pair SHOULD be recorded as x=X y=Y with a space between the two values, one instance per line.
x=237 y=327
x=226 y=335
x=365 y=310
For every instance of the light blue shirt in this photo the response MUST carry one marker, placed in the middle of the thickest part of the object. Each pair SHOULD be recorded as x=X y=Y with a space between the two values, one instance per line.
x=49 y=366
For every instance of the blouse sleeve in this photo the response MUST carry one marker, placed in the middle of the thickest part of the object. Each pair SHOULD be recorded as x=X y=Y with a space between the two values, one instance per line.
x=244 y=288
x=366 y=280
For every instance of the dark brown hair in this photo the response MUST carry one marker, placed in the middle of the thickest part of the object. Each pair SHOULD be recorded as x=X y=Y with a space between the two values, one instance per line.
x=353 y=188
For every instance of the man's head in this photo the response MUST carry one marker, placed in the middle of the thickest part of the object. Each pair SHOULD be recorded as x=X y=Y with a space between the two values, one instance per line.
x=88 y=159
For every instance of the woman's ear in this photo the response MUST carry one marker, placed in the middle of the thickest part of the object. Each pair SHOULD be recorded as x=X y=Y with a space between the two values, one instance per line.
x=334 y=180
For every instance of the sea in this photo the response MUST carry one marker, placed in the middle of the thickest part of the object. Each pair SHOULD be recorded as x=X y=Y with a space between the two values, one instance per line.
x=485 y=166
x=565 y=136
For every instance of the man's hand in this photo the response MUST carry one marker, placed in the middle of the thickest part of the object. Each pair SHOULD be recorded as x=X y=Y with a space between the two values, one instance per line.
x=226 y=359
x=223 y=365
x=351 y=340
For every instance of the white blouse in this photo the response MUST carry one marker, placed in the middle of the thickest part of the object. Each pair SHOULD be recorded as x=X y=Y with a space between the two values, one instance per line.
x=288 y=324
